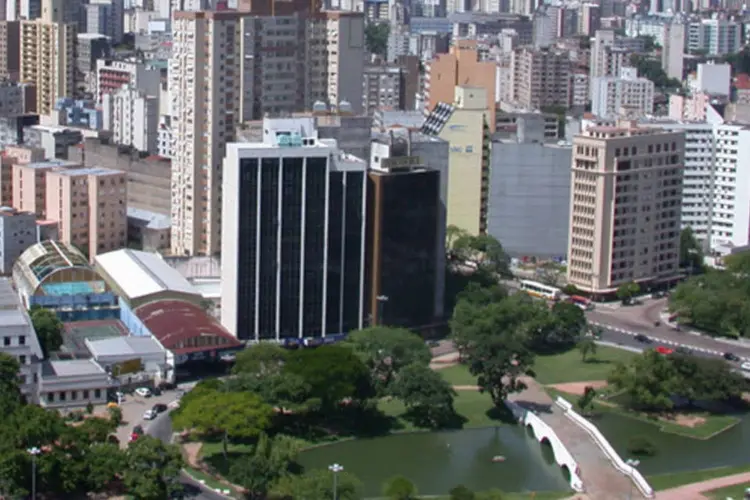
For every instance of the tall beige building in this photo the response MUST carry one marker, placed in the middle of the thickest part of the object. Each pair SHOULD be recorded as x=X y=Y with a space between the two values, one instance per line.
x=89 y=205
x=47 y=55
x=626 y=193
x=541 y=77
x=266 y=58
x=30 y=184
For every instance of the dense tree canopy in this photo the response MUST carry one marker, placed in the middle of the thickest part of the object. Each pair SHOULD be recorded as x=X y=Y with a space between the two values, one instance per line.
x=376 y=38
x=427 y=396
x=153 y=469
x=261 y=360
x=48 y=328
x=317 y=484
x=483 y=252
x=651 y=68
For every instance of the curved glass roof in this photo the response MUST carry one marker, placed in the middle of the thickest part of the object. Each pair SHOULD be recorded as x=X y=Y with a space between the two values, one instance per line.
x=46 y=257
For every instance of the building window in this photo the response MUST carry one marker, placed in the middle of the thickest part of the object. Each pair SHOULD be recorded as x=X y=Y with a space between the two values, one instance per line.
x=22 y=359
x=73 y=395
x=50 y=397
x=63 y=396
x=97 y=393
x=85 y=394
x=6 y=341
x=22 y=340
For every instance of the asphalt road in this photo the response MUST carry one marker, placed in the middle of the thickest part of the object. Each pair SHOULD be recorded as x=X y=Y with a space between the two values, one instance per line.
x=161 y=428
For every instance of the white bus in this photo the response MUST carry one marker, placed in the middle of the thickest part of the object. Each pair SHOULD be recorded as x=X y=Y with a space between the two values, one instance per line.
x=539 y=290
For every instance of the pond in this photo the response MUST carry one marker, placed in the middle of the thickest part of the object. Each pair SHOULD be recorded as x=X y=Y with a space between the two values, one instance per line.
x=678 y=453
x=439 y=461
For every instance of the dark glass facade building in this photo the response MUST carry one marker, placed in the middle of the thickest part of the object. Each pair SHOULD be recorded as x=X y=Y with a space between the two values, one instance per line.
x=403 y=214
x=293 y=251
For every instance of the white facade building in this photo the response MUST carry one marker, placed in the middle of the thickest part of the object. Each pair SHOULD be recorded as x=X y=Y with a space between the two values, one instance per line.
x=106 y=17
x=135 y=119
x=628 y=91
x=713 y=79
x=714 y=36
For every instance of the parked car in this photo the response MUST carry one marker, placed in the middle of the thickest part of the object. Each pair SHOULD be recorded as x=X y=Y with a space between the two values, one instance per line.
x=745 y=366
x=729 y=356
x=136 y=433
x=684 y=350
x=159 y=408
x=149 y=415
x=666 y=351
x=144 y=392
x=643 y=338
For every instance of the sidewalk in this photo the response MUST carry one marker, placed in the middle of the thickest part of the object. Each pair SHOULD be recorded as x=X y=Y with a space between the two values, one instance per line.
x=693 y=491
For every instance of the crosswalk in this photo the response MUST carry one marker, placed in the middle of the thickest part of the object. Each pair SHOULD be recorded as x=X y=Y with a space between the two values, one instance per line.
x=663 y=341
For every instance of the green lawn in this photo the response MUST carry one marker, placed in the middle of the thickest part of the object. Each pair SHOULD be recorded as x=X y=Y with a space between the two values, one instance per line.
x=569 y=367
x=736 y=492
x=666 y=481
x=458 y=375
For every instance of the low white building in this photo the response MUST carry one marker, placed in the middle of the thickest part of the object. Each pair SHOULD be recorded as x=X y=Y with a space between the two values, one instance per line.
x=712 y=79
x=114 y=354
x=72 y=383
x=610 y=94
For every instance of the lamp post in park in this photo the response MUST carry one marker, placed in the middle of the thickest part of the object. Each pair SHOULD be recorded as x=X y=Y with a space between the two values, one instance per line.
x=335 y=468
x=33 y=451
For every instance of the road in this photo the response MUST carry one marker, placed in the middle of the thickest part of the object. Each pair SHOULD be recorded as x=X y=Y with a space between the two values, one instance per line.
x=161 y=428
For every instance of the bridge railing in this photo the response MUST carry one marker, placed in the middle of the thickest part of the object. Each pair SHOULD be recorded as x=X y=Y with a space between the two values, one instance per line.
x=602 y=442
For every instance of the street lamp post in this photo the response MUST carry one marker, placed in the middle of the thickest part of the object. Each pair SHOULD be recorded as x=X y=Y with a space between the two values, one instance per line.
x=33 y=451
x=382 y=299
x=335 y=468
x=633 y=464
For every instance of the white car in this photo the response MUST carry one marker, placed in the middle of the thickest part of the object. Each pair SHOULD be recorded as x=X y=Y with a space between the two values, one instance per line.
x=144 y=392
x=745 y=366
x=149 y=415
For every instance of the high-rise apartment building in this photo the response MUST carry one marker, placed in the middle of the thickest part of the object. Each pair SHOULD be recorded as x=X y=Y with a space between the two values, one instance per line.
x=461 y=66
x=627 y=90
x=715 y=37
x=293 y=246
x=111 y=75
x=626 y=192
x=30 y=185
x=106 y=17
x=10 y=50
x=541 y=78
x=266 y=58
x=133 y=118
x=464 y=124
x=89 y=205
x=673 y=52
x=607 y=56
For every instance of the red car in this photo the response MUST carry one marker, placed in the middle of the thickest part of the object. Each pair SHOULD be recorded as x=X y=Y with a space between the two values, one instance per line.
x=664 y=350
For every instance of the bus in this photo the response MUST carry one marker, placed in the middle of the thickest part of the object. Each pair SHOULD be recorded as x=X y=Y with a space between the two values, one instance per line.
x=541 y=291
x=581 y=302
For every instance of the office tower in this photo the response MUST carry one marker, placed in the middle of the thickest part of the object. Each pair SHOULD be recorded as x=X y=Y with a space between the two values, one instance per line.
x=464 y=124
x=606 y=57
x=461 y=66
x=48 y=54
x=293 y=246
x=529 y=197
x=626 y=191
x=106 y=17
x=224 y=61
x=673 y=52
x=134 y=118
x=546 y=21
x=541 y=78
x=403 y=265
x=10 y=50
x=715 y=36
x=628 y=90
x=589 y=20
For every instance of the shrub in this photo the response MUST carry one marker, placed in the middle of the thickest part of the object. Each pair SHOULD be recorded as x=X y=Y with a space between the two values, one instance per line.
x=641 y=446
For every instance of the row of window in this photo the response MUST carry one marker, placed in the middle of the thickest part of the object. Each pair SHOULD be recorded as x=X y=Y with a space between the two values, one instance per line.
x=63 y=395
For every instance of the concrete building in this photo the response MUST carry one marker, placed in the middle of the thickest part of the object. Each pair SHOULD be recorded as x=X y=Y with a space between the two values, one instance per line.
x=713 y=79
x=529 y=194
x=72 y=383
x=461 y=66
x=344 y=44
x=77 y=113
x=54 y=140
x=19 y=339
x=10 y=50
x=391 y=86
x=113 y=74
x=106 y=18
x=715 y=36
x=607 y=56
x=90 y=47
x=541 y=78
x=579 y=89
x=626 y=191
x=628 y=90
x=589 y=19
x=18 y=232
x=134 y=118
x=47 y=54
x=30 y=185
x=673 y=49
x=465 y=125
x=89 y=205
x=293 y=259
x=12 y=97
x=148 y=230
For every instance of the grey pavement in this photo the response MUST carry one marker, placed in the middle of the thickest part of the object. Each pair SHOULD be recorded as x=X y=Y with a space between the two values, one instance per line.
x=133 y=408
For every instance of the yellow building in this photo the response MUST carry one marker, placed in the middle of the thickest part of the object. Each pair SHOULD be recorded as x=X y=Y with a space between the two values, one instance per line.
x=465 y=125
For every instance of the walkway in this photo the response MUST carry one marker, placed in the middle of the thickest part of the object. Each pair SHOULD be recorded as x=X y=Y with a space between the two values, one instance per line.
x=693 y=491
x=601 y=480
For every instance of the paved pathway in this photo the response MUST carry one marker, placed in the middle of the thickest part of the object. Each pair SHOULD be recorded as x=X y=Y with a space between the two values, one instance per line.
x=693 y=491
x=601 y=480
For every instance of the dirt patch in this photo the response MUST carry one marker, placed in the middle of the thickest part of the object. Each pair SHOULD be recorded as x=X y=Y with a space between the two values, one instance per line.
x=685 y=420
x=578 y=388
x=192 y=453
x=465 y=387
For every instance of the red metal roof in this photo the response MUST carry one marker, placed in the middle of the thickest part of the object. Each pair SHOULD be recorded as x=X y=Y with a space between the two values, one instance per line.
x=179 y=325
x=742 y=81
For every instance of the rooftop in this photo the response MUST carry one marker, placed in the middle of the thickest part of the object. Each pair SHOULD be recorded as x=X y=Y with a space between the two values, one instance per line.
x=183 y=327
x=71 y=368
x=140 y=274
x=77 y=334
x=90 y=171
x=148 y=219
x=46 y=257
x=53 y=164
x=124 y=346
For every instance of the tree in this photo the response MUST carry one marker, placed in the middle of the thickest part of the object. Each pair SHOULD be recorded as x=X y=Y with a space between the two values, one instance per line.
x=494 y=341
x=97 y=430
x=586 y=346
x=461 y=492
x=104 y=461
x=317 y=484
x=706 y=379
x=260 y=360
x=571 y=289
x=376 y=38
x=648 y=380
x=482 y=252
x=586 y=401
x=269 y=461
x=400 y=488
x=426 y=395
x=48 y=328
x=386 y=351
x=483 y=295
x=230 y=415
x=627 y=291
x=115 y=415
x=571 y=323
x=333 y=372
x=153 y=469
x=691 y=253
x=651 y=68
x=285 y=391
x=10 y=389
